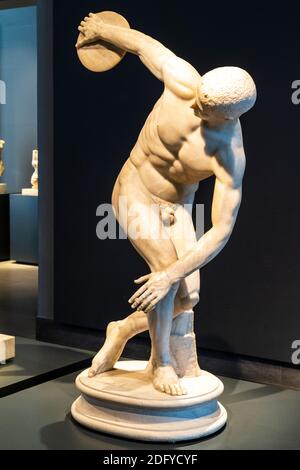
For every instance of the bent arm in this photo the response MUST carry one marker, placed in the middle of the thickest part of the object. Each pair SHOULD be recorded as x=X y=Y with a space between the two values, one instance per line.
x=162 y=62
x=151 y=52
x=226 y=204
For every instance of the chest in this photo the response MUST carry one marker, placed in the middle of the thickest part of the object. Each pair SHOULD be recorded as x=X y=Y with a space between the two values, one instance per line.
x=183 y=135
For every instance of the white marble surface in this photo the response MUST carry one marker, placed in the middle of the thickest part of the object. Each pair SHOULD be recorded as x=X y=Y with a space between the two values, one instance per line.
x=7 y=348
x=123 y=402
x=30 y=192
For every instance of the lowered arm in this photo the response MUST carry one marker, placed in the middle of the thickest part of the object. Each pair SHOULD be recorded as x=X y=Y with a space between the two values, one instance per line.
x=229 y=171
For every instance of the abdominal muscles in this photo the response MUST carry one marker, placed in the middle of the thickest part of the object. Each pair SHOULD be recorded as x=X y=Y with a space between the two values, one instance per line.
x=170 y=174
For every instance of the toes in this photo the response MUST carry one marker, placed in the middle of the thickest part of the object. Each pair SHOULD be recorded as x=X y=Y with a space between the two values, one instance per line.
x=173 y=389
x=92 y=372
x=176 y=390
x=183 y=391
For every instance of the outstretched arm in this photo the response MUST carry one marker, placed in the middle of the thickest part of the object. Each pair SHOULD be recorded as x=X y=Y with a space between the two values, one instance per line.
x=162 y=62
x=226 y=203
x=152 y=53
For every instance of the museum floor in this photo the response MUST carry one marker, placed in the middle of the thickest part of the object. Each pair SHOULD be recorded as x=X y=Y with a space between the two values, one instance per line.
x=37 y=391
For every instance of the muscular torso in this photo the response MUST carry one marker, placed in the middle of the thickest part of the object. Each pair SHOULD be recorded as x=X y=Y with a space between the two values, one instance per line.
x=174 y=150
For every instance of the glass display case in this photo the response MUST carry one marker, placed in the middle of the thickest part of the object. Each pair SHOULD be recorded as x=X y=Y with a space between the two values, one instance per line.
x=18 y=211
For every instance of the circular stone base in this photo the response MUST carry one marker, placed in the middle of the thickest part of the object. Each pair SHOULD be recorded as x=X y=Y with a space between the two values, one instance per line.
x=124 y=403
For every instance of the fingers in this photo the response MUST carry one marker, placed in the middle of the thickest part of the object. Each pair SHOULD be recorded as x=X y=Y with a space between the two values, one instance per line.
x=151 y=306
x=82 y=43
x=142 y=279
x=146 y=302
x=138 y=293
x=139 y=300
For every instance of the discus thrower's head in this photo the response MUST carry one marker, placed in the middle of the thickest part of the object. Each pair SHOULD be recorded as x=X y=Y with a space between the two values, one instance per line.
x=225 y=93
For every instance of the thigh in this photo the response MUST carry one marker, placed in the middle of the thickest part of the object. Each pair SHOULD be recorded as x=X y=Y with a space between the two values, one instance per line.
x=184 y=239
x=139 y=217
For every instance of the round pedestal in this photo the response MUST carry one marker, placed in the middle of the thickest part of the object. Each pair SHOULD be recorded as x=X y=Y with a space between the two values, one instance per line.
x=123 y=402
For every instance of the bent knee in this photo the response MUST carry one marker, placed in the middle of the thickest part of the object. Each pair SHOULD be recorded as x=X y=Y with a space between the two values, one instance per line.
x=188 y=302
x=194 y=298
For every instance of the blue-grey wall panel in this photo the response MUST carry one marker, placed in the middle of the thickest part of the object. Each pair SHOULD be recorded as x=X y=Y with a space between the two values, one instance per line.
x=24 y=228
x=4 y=227
x=18 y=117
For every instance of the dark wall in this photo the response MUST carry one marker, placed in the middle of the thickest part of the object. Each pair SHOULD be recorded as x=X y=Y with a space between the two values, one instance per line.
x=18 y=117
x=250 y=293
x=46 y=167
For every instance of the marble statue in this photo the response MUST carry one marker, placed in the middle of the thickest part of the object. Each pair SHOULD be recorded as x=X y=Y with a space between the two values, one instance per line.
x=192 y=133
x=2 y=166
x=3 y=186
x=35 y=176
x=34 y=191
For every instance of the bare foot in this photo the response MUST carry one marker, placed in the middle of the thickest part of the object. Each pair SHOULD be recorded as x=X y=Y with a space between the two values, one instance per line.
x=111 y=351
x=165 y=380
x=149 y=368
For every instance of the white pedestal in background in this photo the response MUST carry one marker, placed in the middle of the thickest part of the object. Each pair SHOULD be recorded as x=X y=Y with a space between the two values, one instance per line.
x=7 y=348
x=30 y=192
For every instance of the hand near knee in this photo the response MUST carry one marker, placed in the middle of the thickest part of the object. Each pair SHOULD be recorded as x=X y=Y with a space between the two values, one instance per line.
x=156 y=287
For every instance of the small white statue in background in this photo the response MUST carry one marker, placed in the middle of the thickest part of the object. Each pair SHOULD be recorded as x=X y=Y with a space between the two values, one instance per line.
x=34 y=191
x=35 y=164
x=2 y=168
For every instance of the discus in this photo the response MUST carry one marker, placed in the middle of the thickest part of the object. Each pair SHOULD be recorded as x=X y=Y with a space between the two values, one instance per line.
x=101 y=56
